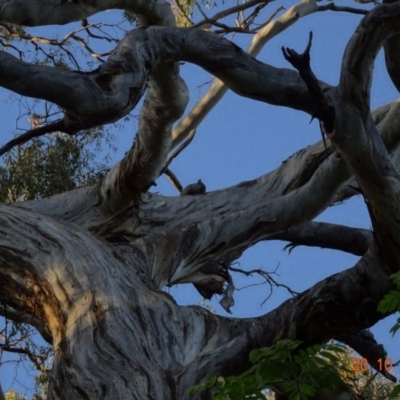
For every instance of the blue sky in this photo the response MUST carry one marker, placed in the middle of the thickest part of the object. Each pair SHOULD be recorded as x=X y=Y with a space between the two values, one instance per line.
x=242 y=139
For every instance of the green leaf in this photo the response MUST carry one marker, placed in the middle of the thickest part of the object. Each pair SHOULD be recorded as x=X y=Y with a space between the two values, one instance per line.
x=395 y=392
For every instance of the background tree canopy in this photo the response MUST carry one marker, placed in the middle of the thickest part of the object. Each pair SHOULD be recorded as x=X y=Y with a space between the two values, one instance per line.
x=95 y=233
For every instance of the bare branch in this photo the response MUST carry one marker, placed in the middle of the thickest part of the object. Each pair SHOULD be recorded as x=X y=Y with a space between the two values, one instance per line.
x=174 y=180
x=225 y=28
x=328 y=236
x=193 y=119
x=387 y=121
x=353 y=294
x=26 y=318
x=265 y=275
x=36 y=360
x=33 y=133
x=333 y=7
x=229 y=11
x=192 y=245
x=183 y=145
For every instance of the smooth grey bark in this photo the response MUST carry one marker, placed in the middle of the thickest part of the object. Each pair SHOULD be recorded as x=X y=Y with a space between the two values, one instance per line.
x=100 y=303
x=330 y=236
x=88 y=266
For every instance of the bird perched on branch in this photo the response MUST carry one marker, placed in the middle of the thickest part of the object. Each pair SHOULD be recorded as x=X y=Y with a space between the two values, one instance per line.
x=194 y=188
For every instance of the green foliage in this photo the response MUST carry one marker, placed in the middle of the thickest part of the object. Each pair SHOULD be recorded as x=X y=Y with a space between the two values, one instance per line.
x=299 y=373
x=368 y=384
x=184 y=12
x=50 y=165
x=285 y=366
x=395 y=394
x=391 y=302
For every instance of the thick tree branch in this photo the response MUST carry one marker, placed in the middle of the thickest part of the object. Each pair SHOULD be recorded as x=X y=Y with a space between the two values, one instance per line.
x=58 y=12
x=351 y=295
x=358 y=61
x=109 y=95
x=89 y=99
x=155 y=213
x=387 y=121
x=333 y=7
x=188 y=248
x=193 y=119
x=392 y=59
x=355 y=134
x=328 y=236
x=158 y=213
x=356 y=137
x=43 y=251
x=227 y=62
x=130 y=64
x=165 y=102
x=115 y=88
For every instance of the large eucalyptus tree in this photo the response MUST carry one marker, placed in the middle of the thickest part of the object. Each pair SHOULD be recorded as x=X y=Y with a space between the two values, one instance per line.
x=87 y=267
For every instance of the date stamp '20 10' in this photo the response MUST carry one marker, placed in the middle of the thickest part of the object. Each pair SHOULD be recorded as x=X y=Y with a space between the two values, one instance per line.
x=362 y=364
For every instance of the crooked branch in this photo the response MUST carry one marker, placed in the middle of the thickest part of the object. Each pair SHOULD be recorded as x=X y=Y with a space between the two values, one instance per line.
x=33 y=133
x=323 y=110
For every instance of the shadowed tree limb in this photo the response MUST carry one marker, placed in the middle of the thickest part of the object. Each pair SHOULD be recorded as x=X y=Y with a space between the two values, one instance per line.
x=356 y=136
x=333 y=7
x=33 y=133
x=392 y=58
x=323 y=110
x=329 y=236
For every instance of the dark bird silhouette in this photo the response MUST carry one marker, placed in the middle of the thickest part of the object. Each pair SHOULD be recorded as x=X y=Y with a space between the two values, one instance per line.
x=194 y=188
